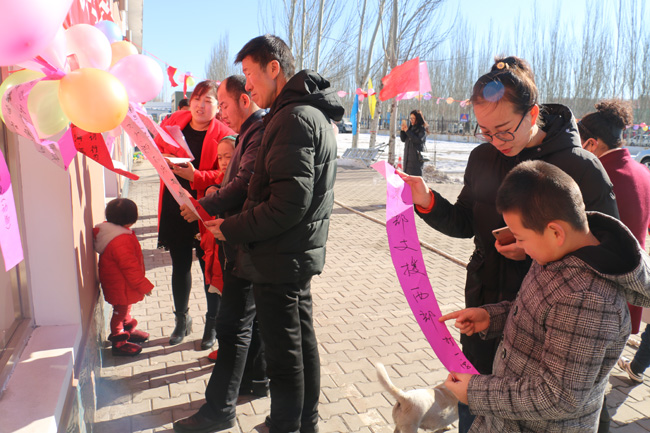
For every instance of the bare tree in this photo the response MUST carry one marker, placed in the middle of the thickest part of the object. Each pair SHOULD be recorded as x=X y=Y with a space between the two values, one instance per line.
x=220 y=65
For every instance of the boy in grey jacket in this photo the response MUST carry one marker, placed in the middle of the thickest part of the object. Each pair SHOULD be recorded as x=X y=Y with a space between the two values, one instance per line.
x=568 y=325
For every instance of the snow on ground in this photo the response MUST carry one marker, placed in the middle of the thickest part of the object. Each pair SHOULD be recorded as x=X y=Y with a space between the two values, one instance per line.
x=447 y=157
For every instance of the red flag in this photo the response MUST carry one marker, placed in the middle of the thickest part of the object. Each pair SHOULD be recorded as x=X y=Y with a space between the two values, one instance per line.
x=93 y=146
x=170 y=73
x=402 y=78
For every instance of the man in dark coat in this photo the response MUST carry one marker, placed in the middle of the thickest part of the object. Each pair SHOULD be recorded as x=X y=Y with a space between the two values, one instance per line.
x=237 y=335
x=283 y=227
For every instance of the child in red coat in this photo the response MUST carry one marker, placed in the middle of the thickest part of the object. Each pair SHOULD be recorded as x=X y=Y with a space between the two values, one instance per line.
x=122 y=274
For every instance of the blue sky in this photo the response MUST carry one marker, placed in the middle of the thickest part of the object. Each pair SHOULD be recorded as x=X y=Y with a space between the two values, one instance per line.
x=182 y=34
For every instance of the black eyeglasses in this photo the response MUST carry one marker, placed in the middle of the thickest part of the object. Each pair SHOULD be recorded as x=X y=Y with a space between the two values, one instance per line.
x=503 y=135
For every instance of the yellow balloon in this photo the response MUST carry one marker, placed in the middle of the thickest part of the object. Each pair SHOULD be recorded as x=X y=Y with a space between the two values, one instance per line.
x=44 y=108
x=15 y=79
x=122 y=49
x=190 y=81
x=93 y=99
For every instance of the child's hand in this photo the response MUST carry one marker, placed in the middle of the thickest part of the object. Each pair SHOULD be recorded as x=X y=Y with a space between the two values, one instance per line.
x=510 y=251
x=469 y=321
x=457 y=383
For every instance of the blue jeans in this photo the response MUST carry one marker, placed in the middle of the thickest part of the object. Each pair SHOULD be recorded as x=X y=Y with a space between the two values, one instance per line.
x=641 y=360
x=284 y=313
x=465 y=418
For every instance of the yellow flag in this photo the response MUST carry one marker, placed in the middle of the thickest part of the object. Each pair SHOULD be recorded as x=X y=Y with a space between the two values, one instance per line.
x=372 y=99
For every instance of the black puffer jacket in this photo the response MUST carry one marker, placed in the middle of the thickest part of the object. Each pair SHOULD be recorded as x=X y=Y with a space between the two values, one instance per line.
x=414 y=138
x=284 y=224
x=492 y=278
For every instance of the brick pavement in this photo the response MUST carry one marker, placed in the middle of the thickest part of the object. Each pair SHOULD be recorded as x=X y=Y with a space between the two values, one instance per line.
x=360 y=315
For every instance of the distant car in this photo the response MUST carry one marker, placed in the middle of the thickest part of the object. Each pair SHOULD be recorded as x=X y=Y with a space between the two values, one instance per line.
x=345 y=126
x=644 y=157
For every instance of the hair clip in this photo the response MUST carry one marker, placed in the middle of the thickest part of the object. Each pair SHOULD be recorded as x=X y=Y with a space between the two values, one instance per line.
x=502 y=65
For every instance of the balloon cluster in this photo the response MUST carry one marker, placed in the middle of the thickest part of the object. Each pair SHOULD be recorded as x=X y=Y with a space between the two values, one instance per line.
x=87 y=74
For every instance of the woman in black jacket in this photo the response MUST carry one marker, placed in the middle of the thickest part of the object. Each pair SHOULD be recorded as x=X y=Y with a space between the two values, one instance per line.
x=414 y=136
x=513 y=128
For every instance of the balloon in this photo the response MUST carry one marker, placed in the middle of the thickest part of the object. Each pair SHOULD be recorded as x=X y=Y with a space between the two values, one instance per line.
x=120 y=50
x=28 y=26
x=55 y=53
x=15 y=79
x=90 y=46
x=111 y=30
x=93 y=99
x=190 y=81
x=140 y=75
x=45 y=110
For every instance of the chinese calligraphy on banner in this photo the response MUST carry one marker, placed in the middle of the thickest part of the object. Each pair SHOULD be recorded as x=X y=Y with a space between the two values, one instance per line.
x=409 y=264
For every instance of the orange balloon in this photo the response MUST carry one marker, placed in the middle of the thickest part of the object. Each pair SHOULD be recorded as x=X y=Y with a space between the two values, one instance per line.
x=93 y=99
x=121 y=49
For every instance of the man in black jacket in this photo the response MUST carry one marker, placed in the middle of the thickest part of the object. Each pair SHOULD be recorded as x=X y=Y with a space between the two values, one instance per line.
x=283 y=227
x=237 y=335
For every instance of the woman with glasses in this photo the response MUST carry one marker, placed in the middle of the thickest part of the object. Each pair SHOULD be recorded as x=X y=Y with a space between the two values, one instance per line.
x=513 y=128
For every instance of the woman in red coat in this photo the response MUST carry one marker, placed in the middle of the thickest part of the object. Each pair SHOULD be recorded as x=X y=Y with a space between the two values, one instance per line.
x=202 y=133
x=601 y=133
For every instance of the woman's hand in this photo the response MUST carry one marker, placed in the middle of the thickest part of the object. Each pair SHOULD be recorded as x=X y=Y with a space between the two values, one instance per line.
x=510 y=251
x=185 y=171
x=469 y=321
x=419 y=189
x=404 y=126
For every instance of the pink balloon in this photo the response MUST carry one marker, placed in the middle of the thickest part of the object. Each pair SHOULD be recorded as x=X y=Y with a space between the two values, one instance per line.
x=28 y=26
x=54 y=53
x=141 y=76
x=90 y=46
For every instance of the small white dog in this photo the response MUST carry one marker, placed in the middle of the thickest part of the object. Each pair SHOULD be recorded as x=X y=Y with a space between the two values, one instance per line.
x=433 y=409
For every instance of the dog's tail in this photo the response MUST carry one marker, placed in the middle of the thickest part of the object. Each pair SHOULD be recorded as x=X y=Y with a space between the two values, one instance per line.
x=382 y=375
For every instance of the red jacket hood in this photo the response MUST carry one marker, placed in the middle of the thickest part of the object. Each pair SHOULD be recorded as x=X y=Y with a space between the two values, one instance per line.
x=105 y=232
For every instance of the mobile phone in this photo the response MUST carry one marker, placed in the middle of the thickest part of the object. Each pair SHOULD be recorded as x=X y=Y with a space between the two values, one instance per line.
x=504 y=235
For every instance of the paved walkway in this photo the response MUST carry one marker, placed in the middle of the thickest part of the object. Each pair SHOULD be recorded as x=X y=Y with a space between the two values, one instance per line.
x=360 y=314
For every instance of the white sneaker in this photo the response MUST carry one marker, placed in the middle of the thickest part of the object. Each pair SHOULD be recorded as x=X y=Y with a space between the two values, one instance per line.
x=624 y=364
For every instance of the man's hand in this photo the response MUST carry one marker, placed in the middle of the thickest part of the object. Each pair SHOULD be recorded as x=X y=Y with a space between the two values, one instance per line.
x=419 y=189
x=187 y=213
x=457 y=383
x=510 y=251
x=470 y=320
x=211 y=190
x=215 y=228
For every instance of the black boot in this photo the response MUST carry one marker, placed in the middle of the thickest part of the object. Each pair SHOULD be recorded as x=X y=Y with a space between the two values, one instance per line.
x=209 y=333
x=182 y=329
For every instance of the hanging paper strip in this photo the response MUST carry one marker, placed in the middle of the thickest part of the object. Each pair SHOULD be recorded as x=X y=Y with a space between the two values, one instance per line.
x=18 y=120
x=372 y=99
x=93 y=146
x=138 y=133
x=409 y=264
x=12 y=249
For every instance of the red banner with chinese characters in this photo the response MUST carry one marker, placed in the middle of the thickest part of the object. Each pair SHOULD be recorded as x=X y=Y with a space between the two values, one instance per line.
x=88 y=12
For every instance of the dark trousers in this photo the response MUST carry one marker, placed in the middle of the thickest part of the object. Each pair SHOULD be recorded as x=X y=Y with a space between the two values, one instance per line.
x=240 y=351
x=284 y=312
x=182 y=257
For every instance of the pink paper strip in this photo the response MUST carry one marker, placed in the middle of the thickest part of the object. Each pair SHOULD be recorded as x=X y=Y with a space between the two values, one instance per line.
x=134 y=127
x=409 y=264
x=18 y=120
x=12 y=248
